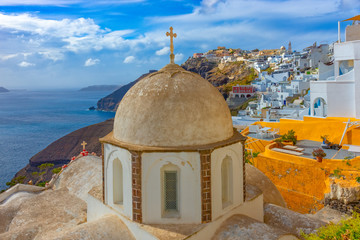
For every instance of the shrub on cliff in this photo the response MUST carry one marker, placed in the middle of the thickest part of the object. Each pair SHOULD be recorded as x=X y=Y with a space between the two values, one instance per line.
x=14 y=181
x=346 y=229
x=56 y=170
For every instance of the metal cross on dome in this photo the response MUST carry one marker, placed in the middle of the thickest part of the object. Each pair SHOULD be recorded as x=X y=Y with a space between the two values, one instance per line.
x=172 y=35
x=83 y=144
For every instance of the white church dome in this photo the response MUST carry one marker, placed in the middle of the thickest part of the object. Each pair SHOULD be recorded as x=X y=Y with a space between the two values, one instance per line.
x=172 y=107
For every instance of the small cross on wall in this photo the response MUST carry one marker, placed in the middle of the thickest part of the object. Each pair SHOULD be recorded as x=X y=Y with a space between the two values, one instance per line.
x=83 y=144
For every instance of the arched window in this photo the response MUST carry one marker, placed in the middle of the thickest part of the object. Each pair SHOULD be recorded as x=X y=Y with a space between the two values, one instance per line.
x=226 y=181
x=170 y=175
x=320 y=107
x=118 y=188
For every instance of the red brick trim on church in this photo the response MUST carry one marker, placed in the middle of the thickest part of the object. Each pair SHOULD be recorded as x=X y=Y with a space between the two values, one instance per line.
x=244 y=173
x=103 y=172
x=205 y=159
x=136 y=186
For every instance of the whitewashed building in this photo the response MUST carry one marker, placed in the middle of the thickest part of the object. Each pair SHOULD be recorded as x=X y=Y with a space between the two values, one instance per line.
x=340 y=97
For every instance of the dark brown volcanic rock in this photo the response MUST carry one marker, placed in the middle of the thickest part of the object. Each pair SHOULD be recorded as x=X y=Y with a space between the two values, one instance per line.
x=62 y=150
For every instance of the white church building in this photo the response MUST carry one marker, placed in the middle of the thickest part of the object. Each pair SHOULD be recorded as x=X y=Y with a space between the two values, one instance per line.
x=339 y=96
x=173 y=157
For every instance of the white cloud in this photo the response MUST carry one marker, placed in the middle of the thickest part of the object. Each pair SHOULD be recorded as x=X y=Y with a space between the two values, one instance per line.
x=52 y=54
x=25 y=64
x=10 y=56
x=179 y=57
x=73 y=35
x=91 y=62
x=211 y=11
x=129 y=59
x=163 y=51
x=50 y=28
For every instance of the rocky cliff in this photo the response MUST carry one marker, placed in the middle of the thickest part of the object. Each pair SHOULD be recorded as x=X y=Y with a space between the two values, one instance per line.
x=60 y=212
x=221 y=75
x=200 y=66
x=2 y=89
x=111 y=102
x=62 y=150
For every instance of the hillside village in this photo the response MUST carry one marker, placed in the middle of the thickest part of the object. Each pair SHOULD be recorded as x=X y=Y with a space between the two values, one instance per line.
x=272 y=83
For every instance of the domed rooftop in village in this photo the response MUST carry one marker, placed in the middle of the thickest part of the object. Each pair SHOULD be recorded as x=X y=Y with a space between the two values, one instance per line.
x=173 y=107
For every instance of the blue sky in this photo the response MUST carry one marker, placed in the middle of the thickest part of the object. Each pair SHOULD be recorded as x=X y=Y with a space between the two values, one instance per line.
x=75 y=43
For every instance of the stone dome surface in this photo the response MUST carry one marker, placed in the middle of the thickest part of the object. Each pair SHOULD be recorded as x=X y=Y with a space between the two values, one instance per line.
x=172 y=108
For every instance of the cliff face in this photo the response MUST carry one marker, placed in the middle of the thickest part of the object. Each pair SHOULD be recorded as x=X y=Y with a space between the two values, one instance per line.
x=2 y=89
x=111 y=102
x=200 y=66
x=62 y=150
x=220 y=75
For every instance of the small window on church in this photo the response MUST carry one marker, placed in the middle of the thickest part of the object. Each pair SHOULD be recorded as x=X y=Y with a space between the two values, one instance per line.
x=117 y=182
x=226 y=181
x=170 y=196
x=170 y=190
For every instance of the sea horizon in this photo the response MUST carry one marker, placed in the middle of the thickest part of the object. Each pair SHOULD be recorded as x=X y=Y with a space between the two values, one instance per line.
x=30 y=120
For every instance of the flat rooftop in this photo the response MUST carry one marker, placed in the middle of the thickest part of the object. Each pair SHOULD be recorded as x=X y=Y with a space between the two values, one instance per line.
x=309 y=146
x=267 y=137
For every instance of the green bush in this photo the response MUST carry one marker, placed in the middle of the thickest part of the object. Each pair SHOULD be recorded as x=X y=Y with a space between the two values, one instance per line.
x=45 y=165
x=14 y=181
x=34 y=173
x=289 y=136
x=357 y=179
x=348 y=229
x=41 y=184
x=248 y=157
x=56 y=170
x=336 y=173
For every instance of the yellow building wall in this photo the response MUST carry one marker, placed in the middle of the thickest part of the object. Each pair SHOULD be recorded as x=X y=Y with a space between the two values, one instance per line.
x=303 y=181
x=257 y=145
x=312 y=128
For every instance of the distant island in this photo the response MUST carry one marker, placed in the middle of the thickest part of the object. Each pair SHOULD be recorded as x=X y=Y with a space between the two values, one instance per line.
x=111 y=102
x=2 y=89
x=100 y=88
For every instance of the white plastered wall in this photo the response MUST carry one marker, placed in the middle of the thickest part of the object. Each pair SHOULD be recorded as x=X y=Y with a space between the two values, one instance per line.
x=110 y=154
x=342 y=95
x=357 y=85
x=189 y=201
x=234 y=151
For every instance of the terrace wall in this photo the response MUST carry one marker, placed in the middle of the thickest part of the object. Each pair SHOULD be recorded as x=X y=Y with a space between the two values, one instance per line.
x=311 y=128
x=302 y=181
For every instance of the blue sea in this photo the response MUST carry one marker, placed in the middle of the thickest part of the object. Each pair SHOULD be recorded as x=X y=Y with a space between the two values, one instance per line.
x=31 y=120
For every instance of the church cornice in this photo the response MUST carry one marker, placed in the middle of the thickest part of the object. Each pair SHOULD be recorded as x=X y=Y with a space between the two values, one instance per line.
x=207 y=148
